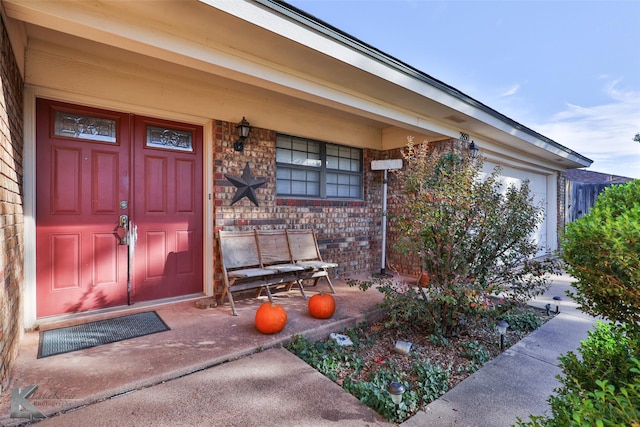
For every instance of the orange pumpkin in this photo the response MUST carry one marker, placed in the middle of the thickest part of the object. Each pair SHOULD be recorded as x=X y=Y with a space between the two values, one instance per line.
x=424 y=279
x=271 y=318
x=322 y=306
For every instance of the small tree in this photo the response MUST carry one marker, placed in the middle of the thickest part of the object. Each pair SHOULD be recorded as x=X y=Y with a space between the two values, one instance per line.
x=472 y=237
x=602 y=250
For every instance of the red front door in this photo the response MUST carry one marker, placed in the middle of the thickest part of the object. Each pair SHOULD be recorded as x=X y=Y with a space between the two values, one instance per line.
x=95 y=167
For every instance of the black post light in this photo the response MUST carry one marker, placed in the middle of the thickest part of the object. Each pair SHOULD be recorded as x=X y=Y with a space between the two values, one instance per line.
x=558 y=301
x=243 y=130
x=396 y=390
x=473 y=150
x=501 y=327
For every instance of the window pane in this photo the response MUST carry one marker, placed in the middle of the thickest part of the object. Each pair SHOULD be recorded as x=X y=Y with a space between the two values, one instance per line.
x=283 y=141
x=332 y=162
x=299 y=187
x=299 y=145
x=283 y=156
x=313 y=176
x=300 y=175
x=302 y=178
x=299 y=157
x=313 y=189
x=333 y=150
x=85 y=127
x=283 y=187
x=282 y=173
x=169 y=139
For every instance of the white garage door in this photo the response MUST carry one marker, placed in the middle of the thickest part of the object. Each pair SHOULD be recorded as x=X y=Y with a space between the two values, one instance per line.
x=538 y=186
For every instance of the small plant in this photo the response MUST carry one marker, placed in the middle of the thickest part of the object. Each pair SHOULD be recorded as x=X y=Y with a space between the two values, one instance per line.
x=523 y=322
x=476 y=353
x=433 y=381
x=329 y=358
x=374 y=394
x=438 y=340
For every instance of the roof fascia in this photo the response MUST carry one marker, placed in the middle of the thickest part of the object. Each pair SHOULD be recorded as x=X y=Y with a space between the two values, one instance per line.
x=505 y=123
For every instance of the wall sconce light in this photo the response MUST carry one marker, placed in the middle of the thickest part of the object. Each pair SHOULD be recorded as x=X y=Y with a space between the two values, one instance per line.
x=473 y=150
x=501 y=327
x=243 y=130
x=396 y=390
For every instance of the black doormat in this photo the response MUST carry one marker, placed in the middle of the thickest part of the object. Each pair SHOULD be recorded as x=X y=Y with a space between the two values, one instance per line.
x=72 y=338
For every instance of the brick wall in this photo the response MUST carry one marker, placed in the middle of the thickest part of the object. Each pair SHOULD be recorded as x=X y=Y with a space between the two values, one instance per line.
x=348 y=231
x=11 y=213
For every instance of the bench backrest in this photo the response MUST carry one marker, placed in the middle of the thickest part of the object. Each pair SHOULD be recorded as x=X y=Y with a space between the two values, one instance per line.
x=239 y=249
x=303 y=245
x=273 y=247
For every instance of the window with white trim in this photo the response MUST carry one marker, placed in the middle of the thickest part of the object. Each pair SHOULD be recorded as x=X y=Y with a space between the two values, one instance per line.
x=315 y=169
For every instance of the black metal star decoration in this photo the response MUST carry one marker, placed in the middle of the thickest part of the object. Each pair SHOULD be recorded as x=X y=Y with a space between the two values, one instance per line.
x=246 y=185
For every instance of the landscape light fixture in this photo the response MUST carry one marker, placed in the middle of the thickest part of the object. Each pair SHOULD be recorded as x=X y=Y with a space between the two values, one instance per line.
x=473 y=150
x=558 y=301
x=396 y=390
x=243 y=130
x=501 y=327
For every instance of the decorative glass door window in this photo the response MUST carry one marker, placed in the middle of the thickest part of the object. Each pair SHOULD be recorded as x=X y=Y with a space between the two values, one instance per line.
x=79 y=126
x=169 y=139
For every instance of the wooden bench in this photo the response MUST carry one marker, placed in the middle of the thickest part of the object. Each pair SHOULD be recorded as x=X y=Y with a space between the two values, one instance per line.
x=260 y=259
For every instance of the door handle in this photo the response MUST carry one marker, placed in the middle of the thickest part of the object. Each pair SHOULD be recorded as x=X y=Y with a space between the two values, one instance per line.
x=123 y=224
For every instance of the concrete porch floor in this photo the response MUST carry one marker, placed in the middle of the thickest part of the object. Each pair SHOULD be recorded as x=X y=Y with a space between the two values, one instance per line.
x=198 y=339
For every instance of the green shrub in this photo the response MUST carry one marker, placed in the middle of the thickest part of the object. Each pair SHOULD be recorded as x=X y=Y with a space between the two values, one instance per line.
x=523 y=322
x=476 y=353
x=602 y=249
x=433 y=381
x=327 y=357
x=374 y=394
x=601 y=385
x=606 y=354
x=472 y=236
x=606 y=405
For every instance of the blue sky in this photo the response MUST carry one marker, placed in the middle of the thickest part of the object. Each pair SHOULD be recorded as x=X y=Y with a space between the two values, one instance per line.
x=569 y=70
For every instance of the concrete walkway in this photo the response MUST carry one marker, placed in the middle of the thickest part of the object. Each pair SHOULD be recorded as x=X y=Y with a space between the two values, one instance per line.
x=273 y=387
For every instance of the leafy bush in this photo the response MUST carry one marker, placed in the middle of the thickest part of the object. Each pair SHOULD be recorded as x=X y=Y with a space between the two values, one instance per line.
x=432 y=382
x=602 y=249
x=374 y=394
x=327 y=357
x=606 y=354
x=601 y=385
x=473 y=238
x=606 y=405
x=524 y=322
x=476 y=353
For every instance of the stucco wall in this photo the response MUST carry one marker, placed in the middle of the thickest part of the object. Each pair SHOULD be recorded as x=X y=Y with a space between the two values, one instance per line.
x=11 y=210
